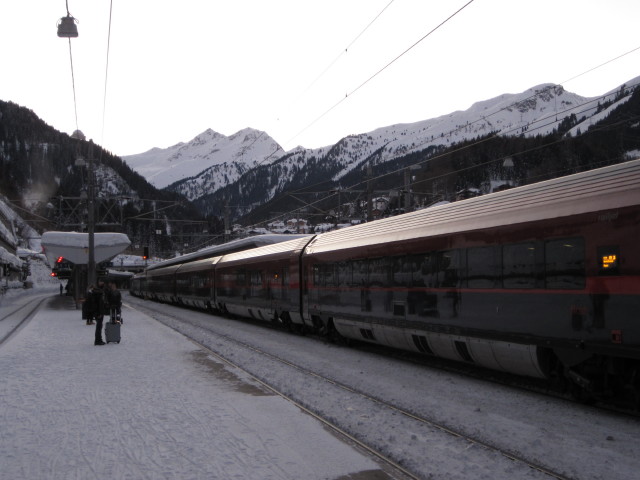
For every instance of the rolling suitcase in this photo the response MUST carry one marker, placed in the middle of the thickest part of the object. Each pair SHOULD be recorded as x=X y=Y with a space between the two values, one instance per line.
x=112 y=332
x=112 y=328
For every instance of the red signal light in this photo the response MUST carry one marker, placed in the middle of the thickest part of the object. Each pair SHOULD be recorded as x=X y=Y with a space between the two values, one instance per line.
x=54 y=274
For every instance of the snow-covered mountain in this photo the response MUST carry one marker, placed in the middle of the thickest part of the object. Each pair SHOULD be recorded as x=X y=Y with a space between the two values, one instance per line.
x=229 y=155
x=212 y=161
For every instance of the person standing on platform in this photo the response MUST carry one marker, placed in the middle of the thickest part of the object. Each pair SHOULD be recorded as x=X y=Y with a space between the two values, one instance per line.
x=89 y=306
x=102 y=307
x=115 y=303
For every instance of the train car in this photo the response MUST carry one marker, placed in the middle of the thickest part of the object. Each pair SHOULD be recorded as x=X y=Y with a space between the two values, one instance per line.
x=194 y=283
x=540 y=280
x=262 y=283
x=161 y=284
x=138 y=285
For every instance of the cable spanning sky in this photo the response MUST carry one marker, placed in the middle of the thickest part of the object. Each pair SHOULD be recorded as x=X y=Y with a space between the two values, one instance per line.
x=178 y=68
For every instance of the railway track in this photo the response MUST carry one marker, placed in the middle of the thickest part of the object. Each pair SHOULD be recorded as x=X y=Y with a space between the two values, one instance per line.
x=369 y=407
x=17 y=316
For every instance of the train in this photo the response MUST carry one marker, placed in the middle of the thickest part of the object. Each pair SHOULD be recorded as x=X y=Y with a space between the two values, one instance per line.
x=541 y=281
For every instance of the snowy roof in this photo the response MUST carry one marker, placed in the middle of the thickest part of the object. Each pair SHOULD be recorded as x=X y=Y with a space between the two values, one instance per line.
x=74 y=246
x=9 y=258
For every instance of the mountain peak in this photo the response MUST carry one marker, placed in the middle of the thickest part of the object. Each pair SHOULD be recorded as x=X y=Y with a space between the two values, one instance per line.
x=162 y=167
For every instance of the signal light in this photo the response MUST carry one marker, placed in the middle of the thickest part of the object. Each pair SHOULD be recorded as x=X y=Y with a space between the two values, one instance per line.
x=54 y=274
x=145 y=253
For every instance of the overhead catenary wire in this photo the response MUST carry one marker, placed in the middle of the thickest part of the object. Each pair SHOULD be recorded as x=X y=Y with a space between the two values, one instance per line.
x=349 y=94
x=73 y=78
x=73 y=85
x=372 y=76
x=342 y=52
x=106 y=74
x=326 y=69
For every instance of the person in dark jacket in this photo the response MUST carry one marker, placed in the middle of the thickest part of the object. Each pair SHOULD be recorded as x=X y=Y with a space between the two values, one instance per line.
x=99 y=296
x=89 y=306
x=114 y=297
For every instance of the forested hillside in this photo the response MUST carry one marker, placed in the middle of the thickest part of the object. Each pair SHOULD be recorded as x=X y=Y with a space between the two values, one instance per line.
x=40 y=172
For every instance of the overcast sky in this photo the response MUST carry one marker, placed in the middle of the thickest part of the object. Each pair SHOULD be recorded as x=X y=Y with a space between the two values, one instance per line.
x=298 y=69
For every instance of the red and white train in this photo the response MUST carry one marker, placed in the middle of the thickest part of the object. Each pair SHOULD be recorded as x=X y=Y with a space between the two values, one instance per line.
x=541 y=280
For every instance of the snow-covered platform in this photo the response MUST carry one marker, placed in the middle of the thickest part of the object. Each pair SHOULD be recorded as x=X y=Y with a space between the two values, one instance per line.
x=155 y=406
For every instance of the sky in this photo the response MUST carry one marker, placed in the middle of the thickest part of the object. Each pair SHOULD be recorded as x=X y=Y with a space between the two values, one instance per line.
x=307 y=72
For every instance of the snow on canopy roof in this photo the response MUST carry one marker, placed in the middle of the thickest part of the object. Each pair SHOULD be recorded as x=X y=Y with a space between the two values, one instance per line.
x=9 y=258
x=74 y=246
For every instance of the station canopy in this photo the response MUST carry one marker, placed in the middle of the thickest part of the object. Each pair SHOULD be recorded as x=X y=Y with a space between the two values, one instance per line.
x=74 y=246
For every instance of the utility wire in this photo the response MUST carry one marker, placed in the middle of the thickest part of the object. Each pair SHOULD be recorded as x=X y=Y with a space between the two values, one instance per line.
x=327 y=68
x=106 y=75
x=343 y=52
x=380 y=71
x=603 y=64
x=73 y=79
x=73 y=83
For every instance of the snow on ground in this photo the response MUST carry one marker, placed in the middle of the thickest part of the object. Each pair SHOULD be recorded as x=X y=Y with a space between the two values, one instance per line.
x=579 y=441
x=154 y=406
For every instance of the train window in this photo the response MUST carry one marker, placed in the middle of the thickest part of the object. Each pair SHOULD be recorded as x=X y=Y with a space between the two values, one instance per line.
x=240 y=278
x=360 y=273
x=256 y=278
x=564 y=263
x=483 y=267
x=380 y=272
x=325 y=275
x=451 y=269
x=608 y=260
x=317 y=277
x=344 y=274
x=428 y=265
x=330 y=275
x=404 y=269
x=519 y=265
